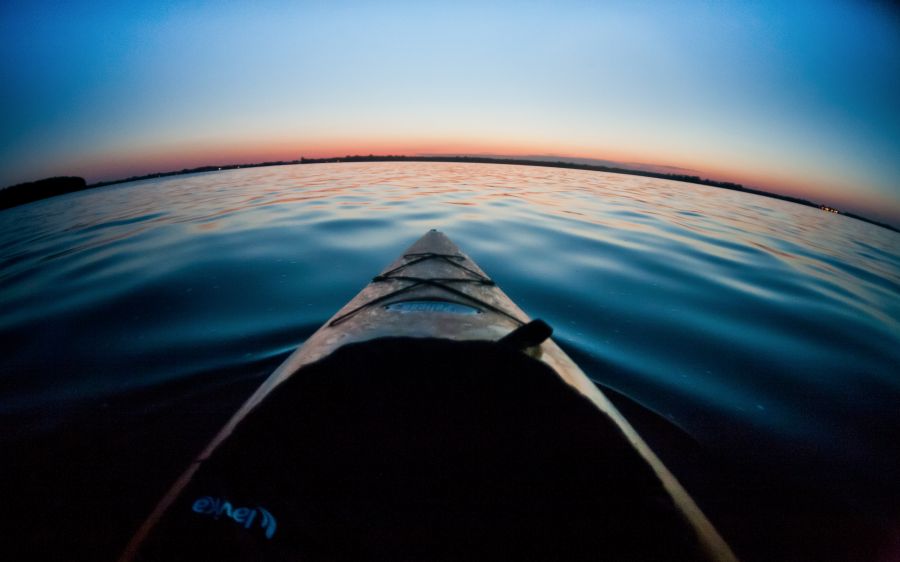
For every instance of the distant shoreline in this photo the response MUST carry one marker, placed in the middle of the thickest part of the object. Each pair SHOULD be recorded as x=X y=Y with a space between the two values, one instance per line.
x=18 y=194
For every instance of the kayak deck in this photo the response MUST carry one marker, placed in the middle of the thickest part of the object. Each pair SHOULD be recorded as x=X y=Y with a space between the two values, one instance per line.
x=408 y=428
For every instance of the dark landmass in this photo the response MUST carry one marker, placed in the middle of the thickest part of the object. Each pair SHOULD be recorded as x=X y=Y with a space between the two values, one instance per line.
x=639 y=166
x=26 y=192
x=41 y=189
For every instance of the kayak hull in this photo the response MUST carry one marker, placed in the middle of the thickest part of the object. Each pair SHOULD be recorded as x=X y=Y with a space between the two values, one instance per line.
x=433 y=290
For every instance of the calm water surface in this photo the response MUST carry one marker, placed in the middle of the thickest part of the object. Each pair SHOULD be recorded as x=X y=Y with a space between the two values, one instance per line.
x=756 y=342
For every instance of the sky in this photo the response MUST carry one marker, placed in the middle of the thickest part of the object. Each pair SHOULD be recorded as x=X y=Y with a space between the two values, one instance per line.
x=799 y=98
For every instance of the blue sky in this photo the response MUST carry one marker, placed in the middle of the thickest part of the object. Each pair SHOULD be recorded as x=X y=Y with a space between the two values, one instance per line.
x=799 y=99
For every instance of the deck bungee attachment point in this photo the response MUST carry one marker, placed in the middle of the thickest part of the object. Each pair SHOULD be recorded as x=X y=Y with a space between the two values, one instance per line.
x=419 y=433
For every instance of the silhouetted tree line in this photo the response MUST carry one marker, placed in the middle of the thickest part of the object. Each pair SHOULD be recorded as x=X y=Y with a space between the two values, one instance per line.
x=40 y=189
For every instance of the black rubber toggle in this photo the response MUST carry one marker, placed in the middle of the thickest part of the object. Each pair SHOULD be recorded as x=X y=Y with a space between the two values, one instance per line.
x=529 y=335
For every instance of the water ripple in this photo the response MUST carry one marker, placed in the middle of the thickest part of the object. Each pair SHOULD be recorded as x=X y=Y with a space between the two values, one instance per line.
x=767 y=330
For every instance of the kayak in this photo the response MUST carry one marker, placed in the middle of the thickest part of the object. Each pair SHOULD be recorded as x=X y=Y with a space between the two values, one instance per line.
x=429 y=419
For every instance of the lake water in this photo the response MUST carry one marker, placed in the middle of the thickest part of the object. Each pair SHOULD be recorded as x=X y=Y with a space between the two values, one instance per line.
x=755 y=342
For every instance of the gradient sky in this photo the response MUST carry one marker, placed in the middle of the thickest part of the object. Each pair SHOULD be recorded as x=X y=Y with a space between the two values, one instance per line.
x=801 y=98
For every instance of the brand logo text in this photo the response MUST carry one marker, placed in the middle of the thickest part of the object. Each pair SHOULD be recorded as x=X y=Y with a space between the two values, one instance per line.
x=218 y=507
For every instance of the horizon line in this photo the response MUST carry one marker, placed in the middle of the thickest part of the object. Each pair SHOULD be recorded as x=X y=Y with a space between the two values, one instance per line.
x=567 y=162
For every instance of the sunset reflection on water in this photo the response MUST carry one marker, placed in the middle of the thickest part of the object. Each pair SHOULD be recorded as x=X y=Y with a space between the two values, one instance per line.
x=766 y=331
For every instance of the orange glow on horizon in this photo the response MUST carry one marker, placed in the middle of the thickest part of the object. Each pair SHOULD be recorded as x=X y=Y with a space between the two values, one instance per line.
x=141 y=160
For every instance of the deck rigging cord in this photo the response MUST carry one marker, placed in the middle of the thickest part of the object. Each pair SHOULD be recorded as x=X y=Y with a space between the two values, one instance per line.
x=439 y=282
